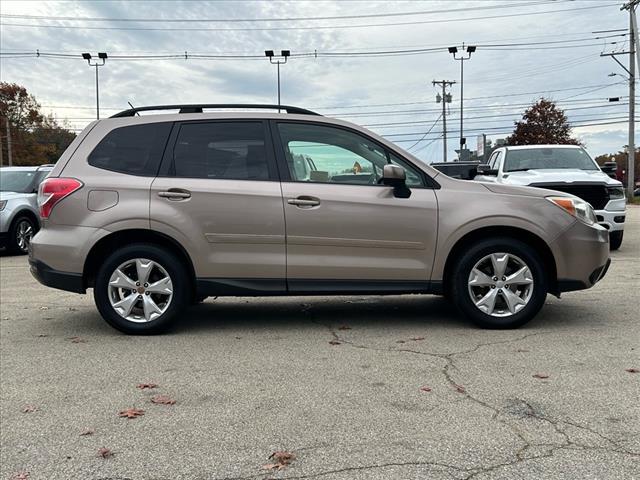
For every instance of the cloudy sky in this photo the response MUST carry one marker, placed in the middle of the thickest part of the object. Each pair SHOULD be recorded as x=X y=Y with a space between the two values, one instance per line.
x=369 y=62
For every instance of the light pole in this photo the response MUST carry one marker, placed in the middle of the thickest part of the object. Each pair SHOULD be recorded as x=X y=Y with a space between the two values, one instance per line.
x=284 y=54
x=454 y=50
x=102 y=56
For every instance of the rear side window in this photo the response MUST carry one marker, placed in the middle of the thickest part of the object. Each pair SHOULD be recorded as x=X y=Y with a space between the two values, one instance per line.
x=136 y=149
x=221 y=150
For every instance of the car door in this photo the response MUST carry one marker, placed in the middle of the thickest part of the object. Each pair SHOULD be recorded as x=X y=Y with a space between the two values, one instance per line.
x=218 y=194
x=344 y=230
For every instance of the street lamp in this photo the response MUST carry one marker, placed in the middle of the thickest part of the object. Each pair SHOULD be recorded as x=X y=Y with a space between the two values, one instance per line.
x=284 y=54
x=454 y=51
x=102 y=56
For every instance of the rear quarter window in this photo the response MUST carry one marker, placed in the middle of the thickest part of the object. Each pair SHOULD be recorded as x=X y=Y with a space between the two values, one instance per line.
x=135 y=149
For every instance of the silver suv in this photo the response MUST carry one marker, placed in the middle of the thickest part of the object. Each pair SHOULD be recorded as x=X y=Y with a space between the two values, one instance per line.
x=19 y=220
x=155 y=212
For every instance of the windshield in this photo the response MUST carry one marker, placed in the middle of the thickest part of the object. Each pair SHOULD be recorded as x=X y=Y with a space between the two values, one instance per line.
x=547 y=158
x=17 y=181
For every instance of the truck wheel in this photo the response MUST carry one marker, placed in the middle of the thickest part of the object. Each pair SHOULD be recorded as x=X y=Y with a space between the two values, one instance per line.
x=21 y=232
x=499 y=283
x=615 y=239
x=141 y=288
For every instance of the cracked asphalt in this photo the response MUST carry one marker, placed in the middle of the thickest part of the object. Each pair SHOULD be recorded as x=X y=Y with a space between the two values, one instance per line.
x=356 y=387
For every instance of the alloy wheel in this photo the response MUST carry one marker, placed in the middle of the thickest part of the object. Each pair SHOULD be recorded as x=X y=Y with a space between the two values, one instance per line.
x=500 y=284
x=140 y=290
x=24 y=234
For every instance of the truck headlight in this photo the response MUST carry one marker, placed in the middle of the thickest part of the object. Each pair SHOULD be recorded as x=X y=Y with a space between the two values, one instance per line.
x=616 y=193
x=576 y=207
x=3 y=203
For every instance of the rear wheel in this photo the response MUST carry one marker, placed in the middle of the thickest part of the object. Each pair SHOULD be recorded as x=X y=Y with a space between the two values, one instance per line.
x=615 y=239
x=499 y=283
x=141 y=288
x=21 y=232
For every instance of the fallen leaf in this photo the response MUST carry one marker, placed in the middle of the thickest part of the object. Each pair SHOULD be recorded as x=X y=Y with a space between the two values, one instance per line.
x=20 y=476
x=541 y=376
x=29 y=409
x=344 y=327
x=163 y=400
x=425 y=389
x=42 y=335
x=131 y=413
x=44 y=308
x=416 y=339
x=87 y=431
x=105 y=452
x=632 y=370
x=334 y=342
x=459 y=388
x=282 y=460
x=401 y=341
x=143 y=386
x=77 y=340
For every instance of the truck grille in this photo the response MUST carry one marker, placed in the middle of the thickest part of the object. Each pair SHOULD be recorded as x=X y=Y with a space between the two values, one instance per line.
x=596 y=195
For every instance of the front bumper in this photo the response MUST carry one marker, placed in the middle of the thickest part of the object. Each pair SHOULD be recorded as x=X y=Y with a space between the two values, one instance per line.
x=612 y=220
x=71 y=282
x=582 y=257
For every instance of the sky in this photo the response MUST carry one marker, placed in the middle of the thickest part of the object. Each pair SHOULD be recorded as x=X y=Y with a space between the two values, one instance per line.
x=372 y=65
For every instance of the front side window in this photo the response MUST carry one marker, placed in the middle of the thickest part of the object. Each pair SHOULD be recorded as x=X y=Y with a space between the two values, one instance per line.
x=221 y=150
x=317 y=153
x=136 y=149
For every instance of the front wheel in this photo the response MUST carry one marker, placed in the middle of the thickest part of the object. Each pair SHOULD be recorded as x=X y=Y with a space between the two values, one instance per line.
x=615 y=239
x=141 y=288
x=499 y=283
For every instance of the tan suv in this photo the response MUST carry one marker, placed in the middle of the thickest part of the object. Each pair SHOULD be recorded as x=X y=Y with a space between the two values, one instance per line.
x=155 y=212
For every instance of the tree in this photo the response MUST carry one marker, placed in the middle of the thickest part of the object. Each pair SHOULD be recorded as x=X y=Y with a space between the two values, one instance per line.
x=542 y=123
x=35 y=138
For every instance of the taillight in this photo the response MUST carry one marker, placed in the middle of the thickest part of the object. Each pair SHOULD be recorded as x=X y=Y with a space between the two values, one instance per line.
x=52 y=190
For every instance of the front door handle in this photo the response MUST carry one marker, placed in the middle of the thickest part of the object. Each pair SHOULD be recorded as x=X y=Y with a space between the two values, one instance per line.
x=304 y=201
x=175 y=194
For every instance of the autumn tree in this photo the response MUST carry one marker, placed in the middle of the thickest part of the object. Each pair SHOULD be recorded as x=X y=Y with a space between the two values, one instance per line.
x=35 y=138
x=542 y=123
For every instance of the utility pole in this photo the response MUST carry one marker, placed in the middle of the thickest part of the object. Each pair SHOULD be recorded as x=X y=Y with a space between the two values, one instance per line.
x=102 y=56
x=9 y=155
x=1 y=153
x=631 y=71
x=445 y=98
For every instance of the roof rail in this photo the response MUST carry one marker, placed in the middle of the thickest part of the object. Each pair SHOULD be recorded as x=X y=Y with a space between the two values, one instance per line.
x=197 y=108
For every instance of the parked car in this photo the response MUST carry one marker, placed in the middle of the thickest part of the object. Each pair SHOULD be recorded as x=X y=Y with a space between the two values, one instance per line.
x=19 y=219
x=158 y=211
x=565 y=168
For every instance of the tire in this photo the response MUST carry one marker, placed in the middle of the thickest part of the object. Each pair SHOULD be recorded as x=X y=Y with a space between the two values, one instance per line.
x=615 y=239
x=527 y=292
x=21 y=232
x=152 y=312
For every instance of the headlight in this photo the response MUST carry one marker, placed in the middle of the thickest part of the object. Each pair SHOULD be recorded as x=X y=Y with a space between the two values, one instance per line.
x=576 y=207
x=3 y=203
x=616 y=193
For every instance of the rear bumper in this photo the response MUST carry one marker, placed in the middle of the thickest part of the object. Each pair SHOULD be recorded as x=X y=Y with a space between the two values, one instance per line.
x=71 y=282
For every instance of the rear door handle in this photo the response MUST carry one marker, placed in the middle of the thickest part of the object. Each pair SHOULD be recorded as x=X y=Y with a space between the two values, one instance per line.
x=175 y=194
x=304 y=201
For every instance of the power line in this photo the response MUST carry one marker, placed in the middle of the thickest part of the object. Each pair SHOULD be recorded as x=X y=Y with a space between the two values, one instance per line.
x=271 y=19
x=426 y=133
x=317 y=27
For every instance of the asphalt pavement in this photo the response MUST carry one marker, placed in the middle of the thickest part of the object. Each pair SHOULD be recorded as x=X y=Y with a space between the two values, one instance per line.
x=359 y=387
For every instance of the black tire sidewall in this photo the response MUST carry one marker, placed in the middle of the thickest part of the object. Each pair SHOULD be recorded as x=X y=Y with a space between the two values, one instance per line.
x=460 y=294
x=179 y=280
x=13 y=231
x=615 y=239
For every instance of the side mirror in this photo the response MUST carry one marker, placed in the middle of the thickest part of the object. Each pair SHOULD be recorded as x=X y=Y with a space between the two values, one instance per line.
x=395 y=176
x=485 y=169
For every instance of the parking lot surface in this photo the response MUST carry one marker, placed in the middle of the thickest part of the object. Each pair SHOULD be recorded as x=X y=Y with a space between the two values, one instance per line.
x=355 y=387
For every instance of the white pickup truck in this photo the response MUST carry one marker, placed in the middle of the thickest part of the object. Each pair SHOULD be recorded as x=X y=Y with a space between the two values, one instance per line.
x=567 y=168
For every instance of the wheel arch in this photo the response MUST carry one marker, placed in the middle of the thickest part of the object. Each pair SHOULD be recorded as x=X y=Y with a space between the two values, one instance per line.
x=110 y=242
x=25 y=212
x=516 y=233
